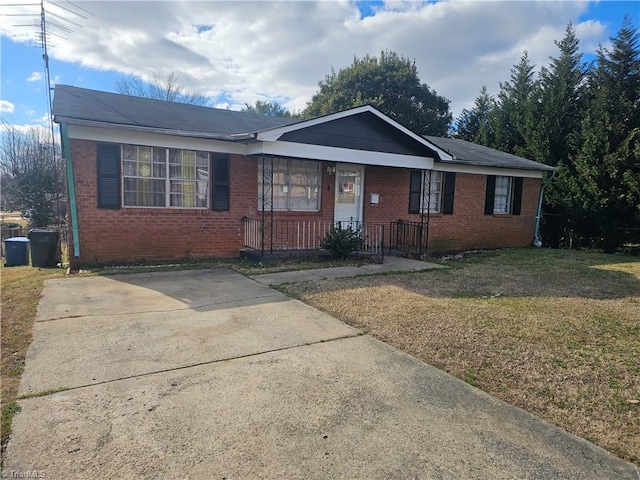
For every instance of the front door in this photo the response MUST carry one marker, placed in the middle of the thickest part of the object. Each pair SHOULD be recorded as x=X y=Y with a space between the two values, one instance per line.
x=349 y=193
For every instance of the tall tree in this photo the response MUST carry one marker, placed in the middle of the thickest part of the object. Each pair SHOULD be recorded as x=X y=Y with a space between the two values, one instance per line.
x=169 y=88
x=516 y=99
x=554 y=139
x=31 y=174
x=562 y=85
x=477 y=125
x=390 y=83
x=271 y=109
x=604 y=185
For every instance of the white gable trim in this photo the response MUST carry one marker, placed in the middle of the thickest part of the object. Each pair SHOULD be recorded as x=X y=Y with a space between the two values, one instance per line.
x=343 y=155
x=274 y=134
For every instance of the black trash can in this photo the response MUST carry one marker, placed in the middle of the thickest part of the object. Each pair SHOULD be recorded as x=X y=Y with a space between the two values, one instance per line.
x=44 y=248
x=16 y=251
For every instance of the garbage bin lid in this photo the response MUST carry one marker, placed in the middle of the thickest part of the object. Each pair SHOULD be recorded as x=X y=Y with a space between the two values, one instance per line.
x=17 y=239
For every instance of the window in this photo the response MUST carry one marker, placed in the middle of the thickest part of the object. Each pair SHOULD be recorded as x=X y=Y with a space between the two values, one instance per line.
x=164 y=177
x=503 y=196
x=432 y=198
x=431 y=191
x=295 y=187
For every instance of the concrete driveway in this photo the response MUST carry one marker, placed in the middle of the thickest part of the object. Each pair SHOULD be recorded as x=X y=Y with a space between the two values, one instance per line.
x=208 y=374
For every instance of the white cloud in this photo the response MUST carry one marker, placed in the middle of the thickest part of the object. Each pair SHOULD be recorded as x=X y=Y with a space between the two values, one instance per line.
x=6 y=106
x=280 y=50
x=42 y=131
x=34 y=77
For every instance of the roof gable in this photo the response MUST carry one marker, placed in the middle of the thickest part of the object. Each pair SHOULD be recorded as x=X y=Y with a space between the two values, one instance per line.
x=360 y=131
x=362 y=128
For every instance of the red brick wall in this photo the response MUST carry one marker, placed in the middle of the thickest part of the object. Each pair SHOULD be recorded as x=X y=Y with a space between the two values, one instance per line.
x=468 y=227
x=135 y=234
x=145 y=234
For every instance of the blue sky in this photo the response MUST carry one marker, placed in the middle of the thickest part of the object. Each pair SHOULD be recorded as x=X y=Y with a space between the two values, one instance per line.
x=239 y=52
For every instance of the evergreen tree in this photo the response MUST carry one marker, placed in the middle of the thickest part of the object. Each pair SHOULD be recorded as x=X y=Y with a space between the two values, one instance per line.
x=561 y=100
x=477 y=125
x=515 y=102
x=604 y=188
x=271 y=109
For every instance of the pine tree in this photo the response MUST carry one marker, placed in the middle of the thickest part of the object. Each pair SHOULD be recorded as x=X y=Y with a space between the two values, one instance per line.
x=515 y=101
x=561 y=100
x=604 y=190
x=477 y=125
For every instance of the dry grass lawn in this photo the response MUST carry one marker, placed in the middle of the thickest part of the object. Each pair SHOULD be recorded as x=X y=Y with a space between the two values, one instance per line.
x=21 y=290
x=556 y=333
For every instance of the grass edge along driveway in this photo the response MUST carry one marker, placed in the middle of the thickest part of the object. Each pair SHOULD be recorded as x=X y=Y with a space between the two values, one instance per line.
x=556 y=333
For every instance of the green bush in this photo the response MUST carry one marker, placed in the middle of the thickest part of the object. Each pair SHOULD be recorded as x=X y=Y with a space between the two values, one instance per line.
x=342 y=242
x=9 y=225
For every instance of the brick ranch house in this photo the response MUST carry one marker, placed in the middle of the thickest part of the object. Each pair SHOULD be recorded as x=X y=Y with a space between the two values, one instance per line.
x=150 y=179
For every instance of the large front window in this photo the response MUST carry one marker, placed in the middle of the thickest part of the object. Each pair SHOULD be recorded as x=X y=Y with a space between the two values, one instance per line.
x=165 y=177
x=292 y=184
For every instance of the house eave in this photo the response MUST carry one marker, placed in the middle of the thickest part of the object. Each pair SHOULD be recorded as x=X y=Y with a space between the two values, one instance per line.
x=235 y=137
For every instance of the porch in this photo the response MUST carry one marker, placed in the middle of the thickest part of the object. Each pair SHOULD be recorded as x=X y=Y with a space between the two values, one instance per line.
x=279 y=238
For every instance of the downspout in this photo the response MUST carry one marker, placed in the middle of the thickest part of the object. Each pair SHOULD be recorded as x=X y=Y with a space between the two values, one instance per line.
x=536 y=236
x=71 y=189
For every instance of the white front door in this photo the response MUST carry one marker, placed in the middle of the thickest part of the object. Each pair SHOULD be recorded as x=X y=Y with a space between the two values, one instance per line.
x=349 y=192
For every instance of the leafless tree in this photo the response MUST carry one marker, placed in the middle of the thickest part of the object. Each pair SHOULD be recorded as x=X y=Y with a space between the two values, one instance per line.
x=169 y=88
x=31 y=173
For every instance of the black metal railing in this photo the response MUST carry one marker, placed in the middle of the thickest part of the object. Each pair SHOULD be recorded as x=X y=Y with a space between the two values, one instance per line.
x=410 y=238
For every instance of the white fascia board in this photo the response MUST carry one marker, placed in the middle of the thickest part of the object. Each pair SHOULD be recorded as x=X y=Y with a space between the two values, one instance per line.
x=152 y=139
x=274 y=134
x=481 y=170
x=343 y=155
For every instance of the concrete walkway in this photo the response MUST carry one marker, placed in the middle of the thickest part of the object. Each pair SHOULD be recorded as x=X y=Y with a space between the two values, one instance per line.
x=209 y=374
x=391 y=264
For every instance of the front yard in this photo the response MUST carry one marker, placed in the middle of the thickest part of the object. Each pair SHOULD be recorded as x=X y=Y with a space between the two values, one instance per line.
x=556 y=333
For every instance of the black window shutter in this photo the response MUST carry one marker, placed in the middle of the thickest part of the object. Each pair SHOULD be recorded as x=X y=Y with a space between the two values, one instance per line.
x=108 y=176
x=489 y=197
x=415 y=191
x=449 y=192
x=220 y=195
x=517 y=195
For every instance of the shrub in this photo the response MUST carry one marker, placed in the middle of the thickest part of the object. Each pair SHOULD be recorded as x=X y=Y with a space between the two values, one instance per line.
x=342 y=242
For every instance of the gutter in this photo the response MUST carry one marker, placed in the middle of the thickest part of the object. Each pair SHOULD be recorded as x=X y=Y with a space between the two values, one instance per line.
x=536 y=235
x=64 y=133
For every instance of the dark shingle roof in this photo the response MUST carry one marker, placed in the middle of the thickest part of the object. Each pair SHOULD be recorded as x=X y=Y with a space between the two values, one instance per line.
x=91 y=106
x=468 y=153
